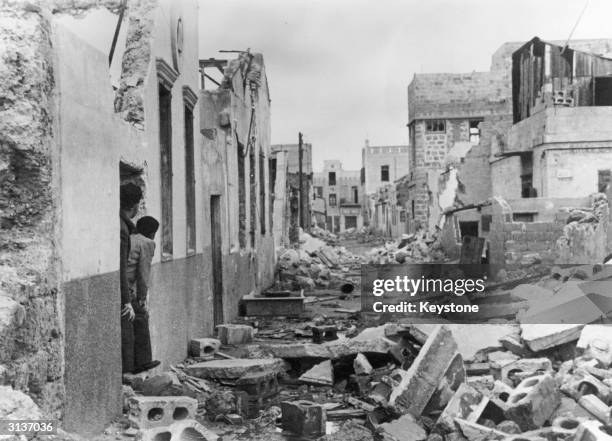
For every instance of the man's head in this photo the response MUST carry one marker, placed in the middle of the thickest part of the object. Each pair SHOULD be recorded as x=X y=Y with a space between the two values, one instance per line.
x=147 y=226
x=130 y=196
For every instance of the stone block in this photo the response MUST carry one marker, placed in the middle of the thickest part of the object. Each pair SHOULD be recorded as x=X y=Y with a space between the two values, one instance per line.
x=593 y=431
x=422 y=379
x=303 y=418
x=533 y=402
x=361 y=365
x=204 y=347
x=233 y=369
x=186 y=430
x=149 y=412
x=324 y=333
x=234 y=334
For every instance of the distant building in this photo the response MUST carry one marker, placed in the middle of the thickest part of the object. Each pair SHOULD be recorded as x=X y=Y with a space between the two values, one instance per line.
x=381 y=166
x=338 y=197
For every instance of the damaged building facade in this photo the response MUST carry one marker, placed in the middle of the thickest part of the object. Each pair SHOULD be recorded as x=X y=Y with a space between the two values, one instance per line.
x=453 y=118
x=69 y=139
x=548 y=164
x=292 y=202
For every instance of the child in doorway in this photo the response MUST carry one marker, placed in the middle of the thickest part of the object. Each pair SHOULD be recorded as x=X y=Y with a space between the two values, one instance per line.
x=142 y=248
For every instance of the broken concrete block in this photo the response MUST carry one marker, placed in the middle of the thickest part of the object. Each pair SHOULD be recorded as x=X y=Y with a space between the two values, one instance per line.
x=566 y=426
x=422 y=379
x=582 y=383
x=533 y=402
x=539 y=337
x=179 y=431
x=404 y=428
x=600 y=349
x=161 y=385
x=303 y=418
x=361 y=365
x=149 y=412
x=597 y=408
x=514 y=344
x=593 y=431
x=501 y=358
x=528 y=366
x=324 y=333
x=233 y=368
x=462 y=405
x=234 y=334
x=203 y=347
x=321 y=374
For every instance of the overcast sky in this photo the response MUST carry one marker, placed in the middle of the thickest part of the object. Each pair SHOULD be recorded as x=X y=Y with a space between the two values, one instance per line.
x=338 y=70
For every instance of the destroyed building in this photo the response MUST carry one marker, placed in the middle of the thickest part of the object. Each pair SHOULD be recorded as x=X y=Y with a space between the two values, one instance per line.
x=548 y=165
x=337 y=197
x=69 y=139
x=452 y=121
x=285 y=167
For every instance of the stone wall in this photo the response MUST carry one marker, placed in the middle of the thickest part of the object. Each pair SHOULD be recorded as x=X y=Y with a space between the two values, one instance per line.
x=31 y=321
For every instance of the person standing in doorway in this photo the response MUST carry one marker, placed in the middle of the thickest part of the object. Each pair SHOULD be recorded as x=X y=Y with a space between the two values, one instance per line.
x=130 y=196
x=142 y=248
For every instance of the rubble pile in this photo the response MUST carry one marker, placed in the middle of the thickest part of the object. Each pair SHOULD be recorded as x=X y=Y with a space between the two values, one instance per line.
x=394 y=382
x=314 y=264
x=410 y=248
x=363 y=235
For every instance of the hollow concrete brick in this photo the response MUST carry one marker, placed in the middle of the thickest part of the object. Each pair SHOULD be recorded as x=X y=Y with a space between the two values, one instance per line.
x=187 y=430
x=152 y=412
x=593 y=431
x=202 y=347
x=533 y=402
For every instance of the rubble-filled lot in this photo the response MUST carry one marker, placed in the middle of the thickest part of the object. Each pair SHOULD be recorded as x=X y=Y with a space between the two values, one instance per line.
x=326 y=371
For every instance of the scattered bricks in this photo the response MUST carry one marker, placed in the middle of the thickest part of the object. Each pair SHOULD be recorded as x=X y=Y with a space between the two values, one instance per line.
x=303 y=418
x=529 y=366
x=321 y=374
x=597 y=408
x=233 y=369
x=204 y=347
x=149 y=412
x=324 y=333
x=583 y=383
x=593 y=431
x=234 y=334
x=361 y=365
x=405 y=427
x=423 y=377
x=462 y=405
x=187 y=430
x=533 y=402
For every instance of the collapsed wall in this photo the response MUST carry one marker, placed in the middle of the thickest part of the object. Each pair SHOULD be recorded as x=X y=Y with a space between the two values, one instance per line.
x=31 y=329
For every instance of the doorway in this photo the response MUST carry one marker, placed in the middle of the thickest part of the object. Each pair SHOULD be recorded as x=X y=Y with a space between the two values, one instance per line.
x=217 y=268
